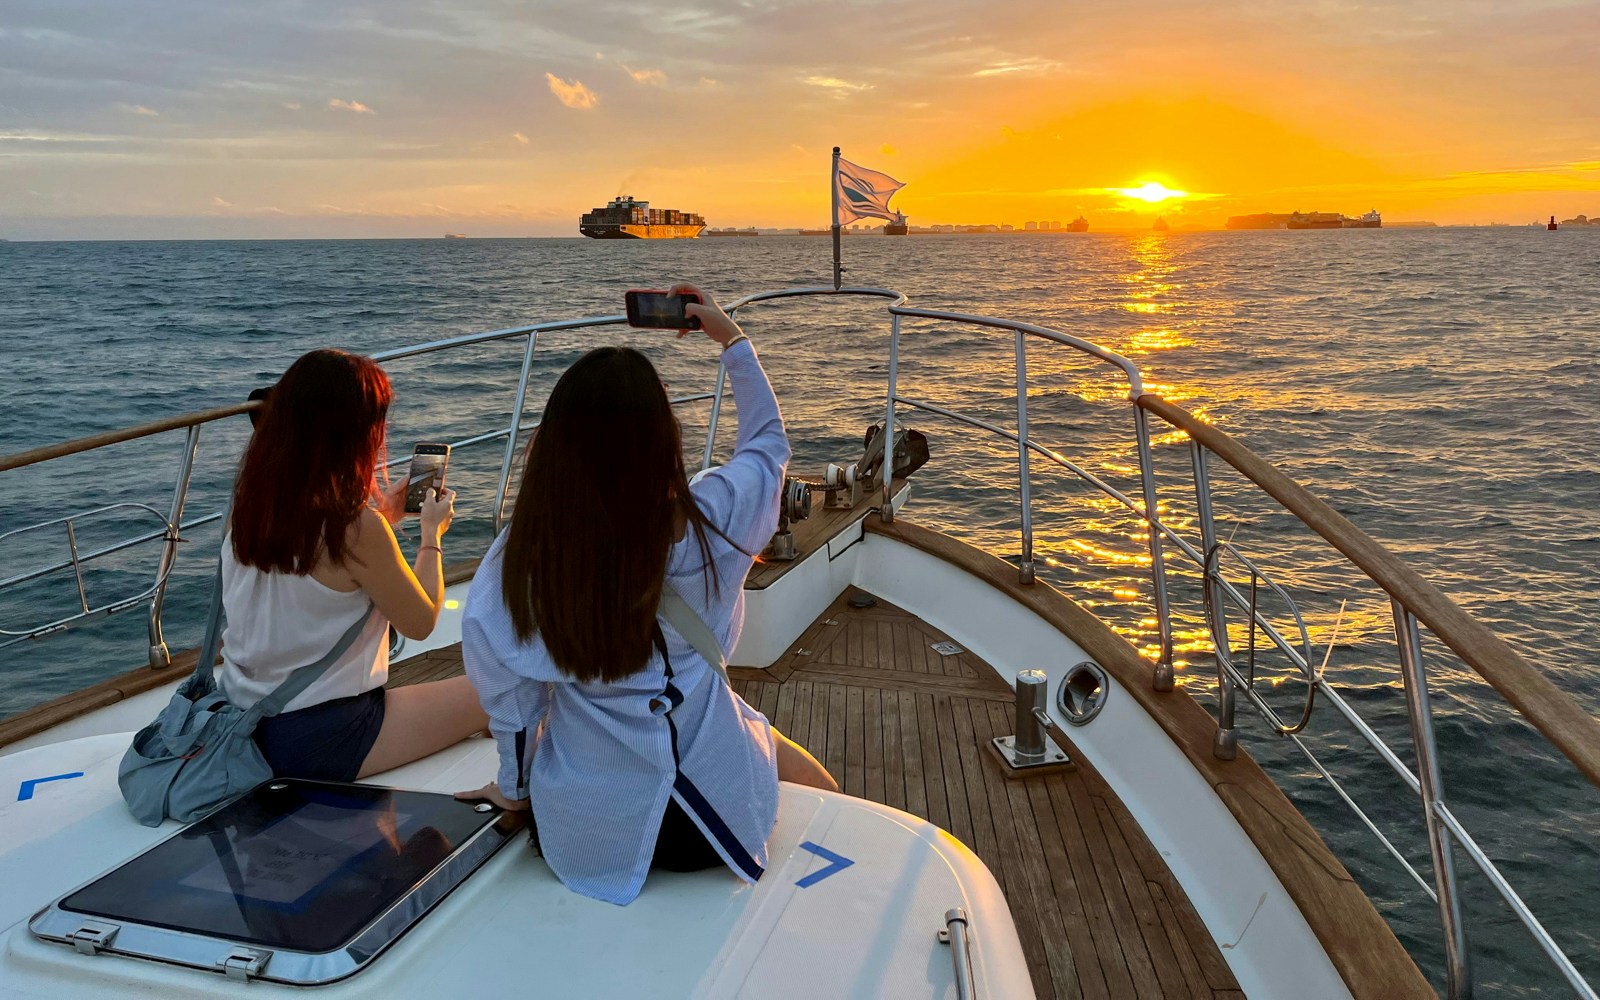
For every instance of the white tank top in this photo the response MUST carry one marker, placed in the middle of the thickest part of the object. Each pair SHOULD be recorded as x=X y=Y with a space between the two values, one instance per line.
x=278 y=622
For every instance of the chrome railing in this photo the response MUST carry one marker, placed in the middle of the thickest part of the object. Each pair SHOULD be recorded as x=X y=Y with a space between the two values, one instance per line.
x=173 y=526
x=1445 y=830
x=1163 y=678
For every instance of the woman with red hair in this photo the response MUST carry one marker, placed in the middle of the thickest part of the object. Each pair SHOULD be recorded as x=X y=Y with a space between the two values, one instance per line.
x=305 y=555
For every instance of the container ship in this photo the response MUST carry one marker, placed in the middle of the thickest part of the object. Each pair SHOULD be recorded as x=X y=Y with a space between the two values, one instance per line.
x=1305 y=220
x=1315 y=220
x=624 y=218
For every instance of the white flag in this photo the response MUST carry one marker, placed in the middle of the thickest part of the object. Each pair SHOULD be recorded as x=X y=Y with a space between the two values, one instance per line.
x=863 y=194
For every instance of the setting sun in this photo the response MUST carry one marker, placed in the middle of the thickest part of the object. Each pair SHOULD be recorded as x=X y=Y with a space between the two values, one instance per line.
x=1152 y=192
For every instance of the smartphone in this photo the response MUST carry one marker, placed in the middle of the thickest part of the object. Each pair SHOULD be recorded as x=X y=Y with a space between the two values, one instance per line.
x=659 y=310
x=428 y=464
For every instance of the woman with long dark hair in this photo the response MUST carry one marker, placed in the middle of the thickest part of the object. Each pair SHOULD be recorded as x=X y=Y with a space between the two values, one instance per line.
x=310 y=544
x=629 y=748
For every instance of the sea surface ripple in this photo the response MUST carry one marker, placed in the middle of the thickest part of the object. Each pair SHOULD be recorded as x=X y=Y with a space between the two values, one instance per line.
x=1441 y=388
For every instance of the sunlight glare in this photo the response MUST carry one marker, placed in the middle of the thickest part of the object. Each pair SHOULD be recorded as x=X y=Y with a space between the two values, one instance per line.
x=1152 y=192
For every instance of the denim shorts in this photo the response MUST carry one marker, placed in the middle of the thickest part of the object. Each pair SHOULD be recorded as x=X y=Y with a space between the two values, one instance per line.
x=324 y=742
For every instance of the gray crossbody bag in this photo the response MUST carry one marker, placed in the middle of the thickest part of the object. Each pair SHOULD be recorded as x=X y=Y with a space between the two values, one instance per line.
x=200 y=752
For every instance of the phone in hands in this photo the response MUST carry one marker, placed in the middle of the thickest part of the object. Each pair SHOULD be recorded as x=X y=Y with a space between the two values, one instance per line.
x=651 y=310
x=428 y=464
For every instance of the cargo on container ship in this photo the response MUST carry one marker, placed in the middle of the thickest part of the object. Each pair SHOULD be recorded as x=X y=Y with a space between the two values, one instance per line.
x=624 y=218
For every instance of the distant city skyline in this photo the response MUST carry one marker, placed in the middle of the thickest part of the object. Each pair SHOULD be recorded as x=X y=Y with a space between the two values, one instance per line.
x=276 y=119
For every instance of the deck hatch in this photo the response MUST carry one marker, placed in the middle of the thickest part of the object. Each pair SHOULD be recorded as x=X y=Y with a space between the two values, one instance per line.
x=298 y=882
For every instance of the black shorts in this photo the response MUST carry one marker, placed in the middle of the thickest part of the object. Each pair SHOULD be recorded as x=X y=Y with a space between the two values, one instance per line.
x=324 y=742
x=680 y=846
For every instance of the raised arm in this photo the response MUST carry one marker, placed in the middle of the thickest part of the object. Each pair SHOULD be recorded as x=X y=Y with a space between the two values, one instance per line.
x=741 y=497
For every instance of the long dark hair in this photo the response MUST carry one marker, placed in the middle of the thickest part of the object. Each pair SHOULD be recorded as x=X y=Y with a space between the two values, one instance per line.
x=312 y=462
x=602 y=495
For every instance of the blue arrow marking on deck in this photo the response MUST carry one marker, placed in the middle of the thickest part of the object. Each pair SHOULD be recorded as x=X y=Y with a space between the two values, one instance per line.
x=836 y=864
x=25 y=791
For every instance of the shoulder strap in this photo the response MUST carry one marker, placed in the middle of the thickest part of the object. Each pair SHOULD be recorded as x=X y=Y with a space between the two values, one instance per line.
x=304 y=677
x=688 y=623
x=212 y=643
x=296 y=682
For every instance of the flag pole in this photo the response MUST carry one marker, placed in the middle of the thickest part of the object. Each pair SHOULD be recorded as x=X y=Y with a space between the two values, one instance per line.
x=838 y=271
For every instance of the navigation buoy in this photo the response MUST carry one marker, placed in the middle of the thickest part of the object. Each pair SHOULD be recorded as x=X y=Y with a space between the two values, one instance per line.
x=1552 y=227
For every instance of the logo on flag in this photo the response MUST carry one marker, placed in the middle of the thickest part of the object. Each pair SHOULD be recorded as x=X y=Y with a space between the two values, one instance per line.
x=863 y=194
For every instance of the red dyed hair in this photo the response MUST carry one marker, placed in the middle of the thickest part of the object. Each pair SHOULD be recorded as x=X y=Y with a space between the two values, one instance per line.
x=312 y=463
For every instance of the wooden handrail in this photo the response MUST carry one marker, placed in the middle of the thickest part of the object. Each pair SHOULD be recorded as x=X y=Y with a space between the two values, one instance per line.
x=93 y=441
x=1553 y=712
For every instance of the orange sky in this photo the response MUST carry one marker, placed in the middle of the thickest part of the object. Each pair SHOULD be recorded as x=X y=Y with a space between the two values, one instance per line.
x=287 y=120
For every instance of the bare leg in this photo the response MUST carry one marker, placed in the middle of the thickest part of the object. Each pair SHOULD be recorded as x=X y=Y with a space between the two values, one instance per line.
x=796 y=764
x=421 y=719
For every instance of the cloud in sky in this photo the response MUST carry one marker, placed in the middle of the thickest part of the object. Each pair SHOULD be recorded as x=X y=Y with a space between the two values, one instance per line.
x=40 y=136
x=1019 y=66
x=572 y=93
x=520 y=138
x=221 y=202
x=1259 y=99
x=836 y=86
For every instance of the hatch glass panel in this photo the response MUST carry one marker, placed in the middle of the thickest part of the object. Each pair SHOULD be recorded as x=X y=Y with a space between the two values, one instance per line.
x=292 y=867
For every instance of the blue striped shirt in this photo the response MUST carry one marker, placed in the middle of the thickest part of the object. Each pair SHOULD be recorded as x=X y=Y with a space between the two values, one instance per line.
x=599 y=757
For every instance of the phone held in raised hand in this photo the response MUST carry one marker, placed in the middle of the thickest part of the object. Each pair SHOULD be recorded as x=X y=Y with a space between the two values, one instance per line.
x=652 y=310
x=428 y=464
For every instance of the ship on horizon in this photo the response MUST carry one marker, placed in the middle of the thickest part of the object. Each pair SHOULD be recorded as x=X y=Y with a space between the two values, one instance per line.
x=625 y=218
x=1305 y=220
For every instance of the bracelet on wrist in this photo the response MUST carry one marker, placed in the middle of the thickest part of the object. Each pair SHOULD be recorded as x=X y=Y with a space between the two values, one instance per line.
x=734 y=340
x=423 y=548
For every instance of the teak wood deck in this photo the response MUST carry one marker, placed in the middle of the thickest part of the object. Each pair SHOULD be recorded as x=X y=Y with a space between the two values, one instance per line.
x=1097 y=910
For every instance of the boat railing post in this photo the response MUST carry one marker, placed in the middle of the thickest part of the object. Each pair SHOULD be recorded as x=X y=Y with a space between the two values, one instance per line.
x=886 y=468
x=1225 y=743
x=1025 y=572
x=716 y=414
x=159 y=655
x=1458 y=971
x=1163 y=678
x=514 y=432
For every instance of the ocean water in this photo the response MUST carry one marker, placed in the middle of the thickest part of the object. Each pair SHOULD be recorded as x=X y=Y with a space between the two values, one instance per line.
x=1441 y=388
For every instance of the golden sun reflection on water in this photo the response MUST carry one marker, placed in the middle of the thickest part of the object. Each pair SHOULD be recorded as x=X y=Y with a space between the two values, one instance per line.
x=1097 y=543
x=1155 y=339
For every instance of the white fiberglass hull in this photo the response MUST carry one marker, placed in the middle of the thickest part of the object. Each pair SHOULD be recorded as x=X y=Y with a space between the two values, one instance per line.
x=865 y=930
